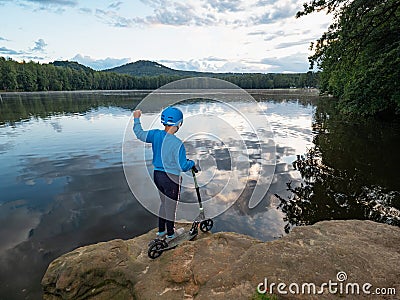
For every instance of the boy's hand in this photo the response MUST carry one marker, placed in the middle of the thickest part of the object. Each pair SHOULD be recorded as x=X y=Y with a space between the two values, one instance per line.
x=137 y=113
x=196 y=170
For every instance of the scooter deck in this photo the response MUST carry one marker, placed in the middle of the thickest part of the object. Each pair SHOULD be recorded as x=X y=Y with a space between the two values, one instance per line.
x=186 y=236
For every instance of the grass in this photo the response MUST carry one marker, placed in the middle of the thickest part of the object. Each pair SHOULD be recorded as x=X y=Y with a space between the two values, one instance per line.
x=258 y=296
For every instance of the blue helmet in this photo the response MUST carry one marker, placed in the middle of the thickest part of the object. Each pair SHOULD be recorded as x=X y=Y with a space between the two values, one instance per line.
x=171 y=116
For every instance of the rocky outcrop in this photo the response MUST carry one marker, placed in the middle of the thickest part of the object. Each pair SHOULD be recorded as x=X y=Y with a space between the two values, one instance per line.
x=227 y=265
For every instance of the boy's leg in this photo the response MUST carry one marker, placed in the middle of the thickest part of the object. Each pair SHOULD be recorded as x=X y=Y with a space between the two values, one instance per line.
x=161 y=213
x=171 y=201
x=169 y=188
x=171 y=209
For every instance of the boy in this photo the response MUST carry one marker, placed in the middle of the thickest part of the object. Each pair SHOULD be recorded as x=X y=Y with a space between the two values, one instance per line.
x=169 y=160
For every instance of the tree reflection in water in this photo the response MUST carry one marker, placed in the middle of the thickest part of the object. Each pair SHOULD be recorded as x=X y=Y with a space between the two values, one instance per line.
x=350 y=173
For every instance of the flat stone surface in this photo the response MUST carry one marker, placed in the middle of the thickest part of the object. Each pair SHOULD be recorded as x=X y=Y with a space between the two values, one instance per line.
x=227 y=265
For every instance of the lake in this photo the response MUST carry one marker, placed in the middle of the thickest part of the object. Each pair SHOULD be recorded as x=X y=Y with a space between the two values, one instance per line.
x=63 y=182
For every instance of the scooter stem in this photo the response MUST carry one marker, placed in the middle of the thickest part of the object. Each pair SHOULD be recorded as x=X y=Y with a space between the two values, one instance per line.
x=197 y=189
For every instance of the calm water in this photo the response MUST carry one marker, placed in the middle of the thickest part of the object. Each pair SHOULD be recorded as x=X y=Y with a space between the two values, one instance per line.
x=62 y=183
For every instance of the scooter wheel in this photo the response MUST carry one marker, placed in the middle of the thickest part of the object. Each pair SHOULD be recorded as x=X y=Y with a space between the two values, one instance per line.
x=155 y=249
x=193 y=231
x=206 y=225
x=152 y=242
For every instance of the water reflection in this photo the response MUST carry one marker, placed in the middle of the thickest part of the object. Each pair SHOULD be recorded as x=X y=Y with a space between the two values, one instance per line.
x=232 y=135
x=62 y=186
x=76 y=202
x=17 y=107
x=351 y=172
x=62 y=182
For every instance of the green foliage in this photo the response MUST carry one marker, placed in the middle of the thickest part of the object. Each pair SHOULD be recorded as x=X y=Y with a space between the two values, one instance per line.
x=258 y=296
x=67 y=76
x=163 y=74
x=63 y=76
x=359 y=55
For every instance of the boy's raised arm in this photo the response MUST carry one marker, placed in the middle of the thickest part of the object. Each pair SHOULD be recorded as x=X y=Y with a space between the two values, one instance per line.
x=144 y=136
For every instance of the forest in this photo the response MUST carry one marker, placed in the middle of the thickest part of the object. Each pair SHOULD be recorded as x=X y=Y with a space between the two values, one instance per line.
x=359 y=55
x=32 y=77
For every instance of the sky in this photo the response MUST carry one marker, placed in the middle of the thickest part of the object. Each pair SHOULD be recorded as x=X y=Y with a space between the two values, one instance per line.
x=201 y=35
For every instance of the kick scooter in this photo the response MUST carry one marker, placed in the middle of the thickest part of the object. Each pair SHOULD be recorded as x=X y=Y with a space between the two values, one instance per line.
x=159 y=245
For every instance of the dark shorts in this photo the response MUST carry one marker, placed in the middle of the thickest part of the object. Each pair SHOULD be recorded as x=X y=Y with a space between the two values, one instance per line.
x=168 y=186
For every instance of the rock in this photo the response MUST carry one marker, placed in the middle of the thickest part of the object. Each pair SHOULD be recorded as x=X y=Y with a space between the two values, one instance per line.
x=227 y=265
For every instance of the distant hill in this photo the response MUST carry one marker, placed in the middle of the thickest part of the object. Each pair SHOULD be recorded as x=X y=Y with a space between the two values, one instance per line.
x=151 y=68
x=71 y=64
x=139 y=68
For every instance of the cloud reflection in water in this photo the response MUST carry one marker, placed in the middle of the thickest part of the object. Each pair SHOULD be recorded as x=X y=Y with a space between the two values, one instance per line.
x=63 y=184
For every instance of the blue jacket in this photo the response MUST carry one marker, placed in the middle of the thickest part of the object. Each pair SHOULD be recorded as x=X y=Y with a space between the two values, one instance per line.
x=169 y=154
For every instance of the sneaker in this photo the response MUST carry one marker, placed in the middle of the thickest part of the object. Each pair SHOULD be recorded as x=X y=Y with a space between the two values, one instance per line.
x=177 y=232
x=170 y=238
x=161 y=234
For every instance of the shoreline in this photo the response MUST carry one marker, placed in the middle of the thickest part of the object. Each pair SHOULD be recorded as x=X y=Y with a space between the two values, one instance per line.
x=250 y=91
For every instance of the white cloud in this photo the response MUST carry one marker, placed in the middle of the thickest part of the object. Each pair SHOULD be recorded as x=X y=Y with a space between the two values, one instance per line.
x=112 y=18
x=214 y=64
x=223 y=6
x=40 y=45
x=180 y=14
x=302 y=42
x=155 y=3
x=85 y=10
x=279 y=10
x=265 y=2
x=43 y=3
x=189 y=65
x=7 y=51
x=54 y=2
x=236 y=67
x=296 y=63
x=100 y=64
x=212 y=58
x=203 y=13
x=115 y=5
x=202 y=35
